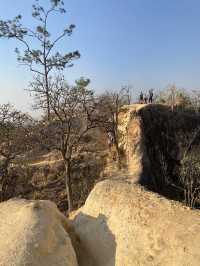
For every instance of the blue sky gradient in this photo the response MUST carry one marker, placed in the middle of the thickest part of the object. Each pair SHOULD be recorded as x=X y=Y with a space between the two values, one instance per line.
x=143 y=43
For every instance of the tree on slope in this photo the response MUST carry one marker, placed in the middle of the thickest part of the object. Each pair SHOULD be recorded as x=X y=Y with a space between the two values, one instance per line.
x=39 y=54
x=72 y=107
x=109 y=107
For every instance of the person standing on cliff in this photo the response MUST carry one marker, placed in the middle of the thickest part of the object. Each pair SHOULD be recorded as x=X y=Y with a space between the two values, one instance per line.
x=151 y=96
x=141 y=97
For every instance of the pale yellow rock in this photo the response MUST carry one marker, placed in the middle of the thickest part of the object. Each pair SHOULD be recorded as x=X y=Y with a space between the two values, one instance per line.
x=121 y=224
x=132 y=140
x=34 y=233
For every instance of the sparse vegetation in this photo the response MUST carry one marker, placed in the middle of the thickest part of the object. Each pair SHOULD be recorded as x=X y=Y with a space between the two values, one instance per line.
x=172 y=139
x=190 y=180
x=71 y=111
x=15 y=140
x=109 y=107
x=77 y=115
x=79 y=125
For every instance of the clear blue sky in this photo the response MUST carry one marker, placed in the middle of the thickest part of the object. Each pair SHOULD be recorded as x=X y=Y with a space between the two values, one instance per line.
x=143 y=43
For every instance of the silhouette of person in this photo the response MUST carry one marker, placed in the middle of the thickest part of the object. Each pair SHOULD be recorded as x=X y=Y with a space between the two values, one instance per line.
x=141 y=97
x=150 y=96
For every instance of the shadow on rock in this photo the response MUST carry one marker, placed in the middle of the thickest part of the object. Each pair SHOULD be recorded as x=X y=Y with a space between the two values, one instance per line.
x=97 y=246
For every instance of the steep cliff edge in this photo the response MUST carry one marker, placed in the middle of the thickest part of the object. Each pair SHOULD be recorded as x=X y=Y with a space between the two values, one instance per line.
x=153 y=140
x=131 y=144
x=123 y=224
x=132 y=140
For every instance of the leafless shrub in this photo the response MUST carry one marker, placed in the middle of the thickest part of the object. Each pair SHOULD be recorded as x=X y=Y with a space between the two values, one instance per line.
x=15 y=135
x=190 y=180
x=108 y=110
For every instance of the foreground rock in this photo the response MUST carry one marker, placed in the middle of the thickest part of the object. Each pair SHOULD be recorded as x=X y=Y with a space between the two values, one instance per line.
x=34 y=233
x=123 y=225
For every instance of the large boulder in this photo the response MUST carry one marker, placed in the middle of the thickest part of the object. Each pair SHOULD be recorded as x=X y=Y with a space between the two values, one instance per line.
x=121 y=224
x=34 y=233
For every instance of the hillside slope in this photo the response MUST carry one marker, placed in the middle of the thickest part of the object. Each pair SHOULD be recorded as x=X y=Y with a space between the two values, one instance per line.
x=121 y=223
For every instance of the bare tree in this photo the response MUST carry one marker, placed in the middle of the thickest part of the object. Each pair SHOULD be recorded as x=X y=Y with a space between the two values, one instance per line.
x=174 y=97
x=126 y=91
x=109 y=107
x=42 y=59
x=14 y=139
x=195 y=100
x=72 y=107
x=189 y=180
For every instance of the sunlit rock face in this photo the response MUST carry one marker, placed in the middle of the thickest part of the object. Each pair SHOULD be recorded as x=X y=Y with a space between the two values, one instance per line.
x=34 y=233
x=121 y=224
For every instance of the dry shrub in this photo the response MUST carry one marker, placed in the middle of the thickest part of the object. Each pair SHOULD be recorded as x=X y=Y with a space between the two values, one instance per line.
x=190 y=180
x=167 y=135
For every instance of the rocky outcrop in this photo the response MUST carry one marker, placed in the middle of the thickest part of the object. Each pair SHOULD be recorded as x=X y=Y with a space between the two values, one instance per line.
x=132 y=141
x=34 y=233
x=121 y=224
x=134 y=159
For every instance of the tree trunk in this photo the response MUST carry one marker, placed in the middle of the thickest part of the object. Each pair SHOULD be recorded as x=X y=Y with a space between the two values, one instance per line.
x=46 y=75
x=47 y=92
x=68 y=184
x=48 y=106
